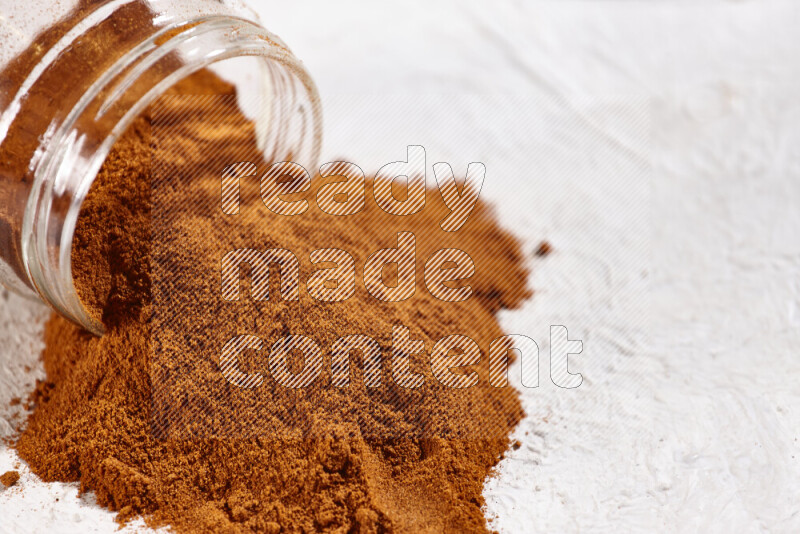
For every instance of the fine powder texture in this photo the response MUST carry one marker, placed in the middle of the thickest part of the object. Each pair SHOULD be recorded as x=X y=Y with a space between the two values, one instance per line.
x=93 y=422
x=9 y=478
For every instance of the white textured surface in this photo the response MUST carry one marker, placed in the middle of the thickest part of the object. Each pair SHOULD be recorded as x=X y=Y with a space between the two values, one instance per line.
x=688 y=418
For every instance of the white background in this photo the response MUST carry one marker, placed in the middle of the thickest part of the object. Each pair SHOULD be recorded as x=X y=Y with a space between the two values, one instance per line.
x=689 y=416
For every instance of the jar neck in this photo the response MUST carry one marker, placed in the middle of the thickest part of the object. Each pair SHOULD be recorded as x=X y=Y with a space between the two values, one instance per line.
x=73 y=149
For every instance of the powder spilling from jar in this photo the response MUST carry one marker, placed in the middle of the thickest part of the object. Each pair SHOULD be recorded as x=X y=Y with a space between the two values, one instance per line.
x=95 y=422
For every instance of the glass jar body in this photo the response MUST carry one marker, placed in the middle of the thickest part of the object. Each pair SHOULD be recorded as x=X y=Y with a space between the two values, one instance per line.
x=75 y=77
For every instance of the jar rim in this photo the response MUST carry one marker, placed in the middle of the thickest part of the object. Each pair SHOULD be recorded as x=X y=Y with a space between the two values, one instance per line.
x=65 y=167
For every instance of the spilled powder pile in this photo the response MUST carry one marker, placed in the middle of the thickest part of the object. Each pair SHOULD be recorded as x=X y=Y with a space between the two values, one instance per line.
x=368 y=469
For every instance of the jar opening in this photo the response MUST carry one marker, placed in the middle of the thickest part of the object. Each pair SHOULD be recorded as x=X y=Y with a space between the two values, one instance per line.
x=281 y=98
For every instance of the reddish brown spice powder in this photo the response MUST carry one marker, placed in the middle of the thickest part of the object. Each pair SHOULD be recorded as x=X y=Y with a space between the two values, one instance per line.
x=9 y=478
x=94 y=423
x=544 y=249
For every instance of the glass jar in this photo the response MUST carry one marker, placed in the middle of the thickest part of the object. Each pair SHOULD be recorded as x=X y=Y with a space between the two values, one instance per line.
x=74 y=74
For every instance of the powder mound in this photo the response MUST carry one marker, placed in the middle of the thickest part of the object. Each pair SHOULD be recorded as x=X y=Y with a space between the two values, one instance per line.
x=93 y=422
